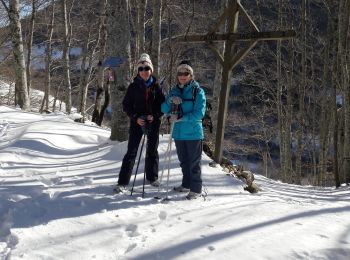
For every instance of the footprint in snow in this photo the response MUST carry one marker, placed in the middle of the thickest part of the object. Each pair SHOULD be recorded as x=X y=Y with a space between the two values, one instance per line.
x=53 y=194
x=323 y=236
x=211 y=248
x=130 y=247
x=84 y=181
x=48 y=182
x=131 y=230
x=162 y=215
x=18 y=197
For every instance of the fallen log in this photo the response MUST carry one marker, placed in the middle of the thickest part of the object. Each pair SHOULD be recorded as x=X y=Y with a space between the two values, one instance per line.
x=246 y=176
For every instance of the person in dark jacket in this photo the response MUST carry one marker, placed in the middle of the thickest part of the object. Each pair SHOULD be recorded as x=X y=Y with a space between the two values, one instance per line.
x=142 y=103
x=190 y=99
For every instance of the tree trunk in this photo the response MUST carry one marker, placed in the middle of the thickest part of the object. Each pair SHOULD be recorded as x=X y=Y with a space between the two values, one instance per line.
x=97 y=115
x=301 y=93
x=90 y=52
x=29 y=46
x=345 y=82
x=156 y=37
x=218 y=79
x=279 y=104
x=289 y=115
x=325 y=108
x=19 y=64
x=334 y=99
x=82 y=92
x=48 y=60
x=314 y=121
x=140 y=27
x=118 y=45
x=65 y=57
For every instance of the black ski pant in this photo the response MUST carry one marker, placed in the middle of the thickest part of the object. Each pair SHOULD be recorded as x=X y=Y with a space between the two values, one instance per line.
x=190 y=154
x=152 y=157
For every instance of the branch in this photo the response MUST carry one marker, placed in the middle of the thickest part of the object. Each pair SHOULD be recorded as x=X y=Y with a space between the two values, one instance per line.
x=5 y=6
x=192 y=17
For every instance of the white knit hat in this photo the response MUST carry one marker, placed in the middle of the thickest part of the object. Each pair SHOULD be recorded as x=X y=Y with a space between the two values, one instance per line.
x=185 y=64
x=145 y=60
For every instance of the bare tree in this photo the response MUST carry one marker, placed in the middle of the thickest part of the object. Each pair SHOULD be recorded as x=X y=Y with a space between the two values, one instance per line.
x=65 y=57
x=118 y=45
x=344 y=15
x=48 y=58
x=101 y=88
x=301 y=97
x=89 y=49
x=140 y=26
x=30 y=44
x=156 y=37
x=217 y=79
x=21 y=90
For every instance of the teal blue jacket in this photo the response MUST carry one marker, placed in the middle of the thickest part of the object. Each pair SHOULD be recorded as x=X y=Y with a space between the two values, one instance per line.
x=189 y=127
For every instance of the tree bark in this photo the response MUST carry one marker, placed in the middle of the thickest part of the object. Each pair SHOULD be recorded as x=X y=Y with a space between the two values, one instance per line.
x=118 y=45
x=279 y=104
x=218 y=79
x=48 y=60
x=334 y=98
x=156 y=35
x=345 y=83
x=83 y=77
x=302 y=86
x=140 y=27
x=65 y=57
x=325 y=108
x=29 y=46
x=19 y=64
x=98 y=113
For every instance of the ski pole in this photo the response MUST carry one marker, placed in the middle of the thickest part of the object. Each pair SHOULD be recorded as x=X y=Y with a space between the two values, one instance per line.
x=169 y=160
x=144 y=172
x=138 y=163
x=167 y=153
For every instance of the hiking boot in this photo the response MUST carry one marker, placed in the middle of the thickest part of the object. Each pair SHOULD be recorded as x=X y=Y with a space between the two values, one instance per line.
x=119 y=189
x=181 y=189
x=155 y=183
x=193 y=195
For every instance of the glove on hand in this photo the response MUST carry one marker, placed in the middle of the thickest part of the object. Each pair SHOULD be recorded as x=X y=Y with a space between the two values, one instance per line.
x=176 y=100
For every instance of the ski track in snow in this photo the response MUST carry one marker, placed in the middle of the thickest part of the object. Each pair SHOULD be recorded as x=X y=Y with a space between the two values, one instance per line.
x=56 y=202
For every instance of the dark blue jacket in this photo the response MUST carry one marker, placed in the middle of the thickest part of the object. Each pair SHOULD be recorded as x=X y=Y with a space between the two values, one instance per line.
x=141 y=100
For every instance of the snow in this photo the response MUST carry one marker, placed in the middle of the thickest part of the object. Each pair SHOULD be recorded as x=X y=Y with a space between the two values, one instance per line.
x=56 y=202
x=36 y=96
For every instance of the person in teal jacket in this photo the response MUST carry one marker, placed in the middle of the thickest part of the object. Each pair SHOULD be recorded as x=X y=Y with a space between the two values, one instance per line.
x=189 y=99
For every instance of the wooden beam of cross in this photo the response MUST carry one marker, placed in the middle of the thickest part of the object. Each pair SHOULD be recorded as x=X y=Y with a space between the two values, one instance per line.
x=231 y=58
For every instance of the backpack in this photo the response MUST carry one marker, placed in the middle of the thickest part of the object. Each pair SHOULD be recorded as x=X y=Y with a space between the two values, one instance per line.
x=206 y=120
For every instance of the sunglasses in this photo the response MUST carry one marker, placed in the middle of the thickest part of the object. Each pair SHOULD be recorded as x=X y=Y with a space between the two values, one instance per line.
x=144 y=68
x=183 y=73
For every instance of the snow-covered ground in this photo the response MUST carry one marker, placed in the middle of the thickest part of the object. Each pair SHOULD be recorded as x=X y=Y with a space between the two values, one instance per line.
x=56 y=202
x=7 y=92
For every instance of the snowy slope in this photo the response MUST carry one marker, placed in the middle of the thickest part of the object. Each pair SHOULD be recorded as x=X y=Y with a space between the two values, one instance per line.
x=36 y=97
x=56 y=202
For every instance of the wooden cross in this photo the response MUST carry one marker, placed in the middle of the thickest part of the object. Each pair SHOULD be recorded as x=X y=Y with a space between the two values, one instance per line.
x=231 y=58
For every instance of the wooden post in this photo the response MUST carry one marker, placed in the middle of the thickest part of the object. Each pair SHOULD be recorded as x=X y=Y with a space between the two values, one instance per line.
x=231 y=58
x=225 y=83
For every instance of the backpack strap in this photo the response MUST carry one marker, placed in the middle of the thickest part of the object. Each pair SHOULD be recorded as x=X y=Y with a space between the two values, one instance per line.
x=195 y=90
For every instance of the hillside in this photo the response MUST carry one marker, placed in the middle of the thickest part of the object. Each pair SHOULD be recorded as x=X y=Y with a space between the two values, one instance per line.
x=56 y=202
x=280 y=94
